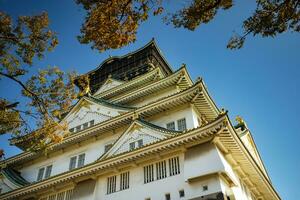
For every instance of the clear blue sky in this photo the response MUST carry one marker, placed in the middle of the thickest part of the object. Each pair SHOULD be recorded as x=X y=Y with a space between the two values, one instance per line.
x=259 y=82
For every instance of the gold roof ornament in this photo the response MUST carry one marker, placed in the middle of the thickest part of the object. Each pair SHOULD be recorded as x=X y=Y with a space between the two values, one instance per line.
x=240 y=123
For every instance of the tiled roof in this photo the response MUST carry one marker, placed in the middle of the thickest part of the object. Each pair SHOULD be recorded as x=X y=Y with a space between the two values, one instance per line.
x=14 y=176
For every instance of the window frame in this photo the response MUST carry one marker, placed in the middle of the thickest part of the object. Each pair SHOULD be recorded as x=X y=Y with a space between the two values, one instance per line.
x=172 y=124
x=179 y=125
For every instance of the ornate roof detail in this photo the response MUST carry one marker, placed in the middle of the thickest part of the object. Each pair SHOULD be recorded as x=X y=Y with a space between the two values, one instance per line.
x=137 y=82
x=14 y=177
x=109 y=84
x=129 y=66
x=139 y=130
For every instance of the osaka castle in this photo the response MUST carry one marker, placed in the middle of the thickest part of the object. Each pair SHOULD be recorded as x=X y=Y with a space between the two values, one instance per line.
x=143 y=132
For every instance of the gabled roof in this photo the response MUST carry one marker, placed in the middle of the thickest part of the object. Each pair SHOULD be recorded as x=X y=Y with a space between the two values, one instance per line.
x=127 y=65
x=21 y=141
x=196 y=94
x=179 y=78
x=14 y=177
x=139 y=129
x=134 y=83
x=220 y=132
x=99 y=102
x=109 y=84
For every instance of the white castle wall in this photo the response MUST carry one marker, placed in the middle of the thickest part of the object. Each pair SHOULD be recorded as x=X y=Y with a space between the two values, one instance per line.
x=60 y=161
x=173 y=115
x=158 y=188
x=94 y=149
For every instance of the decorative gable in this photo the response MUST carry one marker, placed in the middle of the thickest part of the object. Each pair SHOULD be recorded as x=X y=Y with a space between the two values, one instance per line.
x=90 y=111
x=138 y=134
x=108 y=84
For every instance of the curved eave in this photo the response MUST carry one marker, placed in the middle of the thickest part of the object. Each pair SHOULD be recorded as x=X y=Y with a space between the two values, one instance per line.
x=20 y=140
x=110 y=59
x=13 y=177
x=243 y=162
x=191 y=94
x=198 y=135
x=179 y=78
x=132 y=84
x=258 y=154
x=145 y=124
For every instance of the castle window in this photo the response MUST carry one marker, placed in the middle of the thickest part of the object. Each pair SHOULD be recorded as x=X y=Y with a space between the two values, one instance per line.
x=171 y=126
x=78 y=128
x=64 y=195
x=85 y=125
x=61 y=196
x=181 y=193
x=181 y=124
x=52 y=197
x=140 y=143
x=168 y=196
x=111 y=184
x=131 y=146
x=174 y=166
x=124 y=181
x=40 y=174
x=148 y=173
x=44 y=172
x=79 y=160
x=92 y=123
x=48 y=171
x=72 y=164
x=161 y=170
x=72 y=130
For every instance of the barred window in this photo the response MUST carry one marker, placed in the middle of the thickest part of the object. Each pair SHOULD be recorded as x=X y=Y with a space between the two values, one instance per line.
x=168 y=196
x=40 y=174
x=174 y=166
x=52 y=197
x=72 y=164
x=78 y=128
x=69 y=194
x=85 y=125
x=81 y=159
x=181 y=124
x=92 y=123
x=124 y=181
x=161 y=170
x=111 y=184
x=148 y=173
x=171 y=126
x=61 y=196
x=140 y=143
x=48 y=171
x=131 y=146
x=64 y=195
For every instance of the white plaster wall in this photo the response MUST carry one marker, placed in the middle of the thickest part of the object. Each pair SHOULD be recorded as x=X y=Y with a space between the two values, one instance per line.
x=94 y=112
x=240 y=192
x=154 y=96
x=174 y=115
x=60 y=161
x=201 y=160
x=157 y=189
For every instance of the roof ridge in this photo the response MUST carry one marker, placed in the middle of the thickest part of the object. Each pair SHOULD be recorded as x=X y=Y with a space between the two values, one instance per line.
x=151 y=125
x=109 y=103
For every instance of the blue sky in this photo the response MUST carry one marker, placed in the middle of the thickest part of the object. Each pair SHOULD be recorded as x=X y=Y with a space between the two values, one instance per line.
x=259 y=82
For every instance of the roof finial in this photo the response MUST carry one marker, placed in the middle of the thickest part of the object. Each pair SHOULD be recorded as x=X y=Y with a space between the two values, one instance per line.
x=241 y=123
